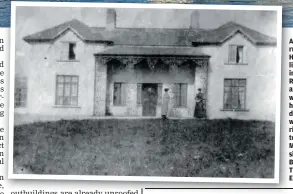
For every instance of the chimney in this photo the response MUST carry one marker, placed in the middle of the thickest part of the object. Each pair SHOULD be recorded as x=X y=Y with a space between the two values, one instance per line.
x=111 y=19
x=194 y=20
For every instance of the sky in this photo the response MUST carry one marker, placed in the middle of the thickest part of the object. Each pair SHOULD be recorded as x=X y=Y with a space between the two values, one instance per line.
x=33 y=19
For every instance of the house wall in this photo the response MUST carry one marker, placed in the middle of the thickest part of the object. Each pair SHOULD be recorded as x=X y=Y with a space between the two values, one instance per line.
x=44 y=64
x=259 y=69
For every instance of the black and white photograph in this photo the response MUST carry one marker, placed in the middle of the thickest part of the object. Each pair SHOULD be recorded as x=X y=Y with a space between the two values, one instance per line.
x=145 y=92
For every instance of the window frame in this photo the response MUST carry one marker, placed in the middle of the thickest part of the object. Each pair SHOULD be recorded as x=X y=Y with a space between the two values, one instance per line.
x=245 y=95
x=63 y=83
x=180 y=94
x=22 y=103
x=230 y=50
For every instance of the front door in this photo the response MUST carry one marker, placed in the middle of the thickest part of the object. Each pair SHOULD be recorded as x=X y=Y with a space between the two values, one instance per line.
x=149 y=99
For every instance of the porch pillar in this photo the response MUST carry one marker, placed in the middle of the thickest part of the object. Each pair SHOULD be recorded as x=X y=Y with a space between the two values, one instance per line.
x=100 y=86
x=131 y=88
x=201 y=78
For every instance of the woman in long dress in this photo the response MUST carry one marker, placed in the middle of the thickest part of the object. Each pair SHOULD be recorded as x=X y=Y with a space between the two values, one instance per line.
x=166 y=99
x=199 y=111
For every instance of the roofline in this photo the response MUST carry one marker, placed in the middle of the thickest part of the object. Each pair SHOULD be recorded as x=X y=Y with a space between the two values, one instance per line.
x=197 y=44
x=230 y=36
x=28 y=40
x=151 y=28
x=108 y=42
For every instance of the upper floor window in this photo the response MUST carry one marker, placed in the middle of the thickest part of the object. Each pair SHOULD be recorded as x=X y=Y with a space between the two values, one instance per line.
x=180 y=94
x=68 y=51
x=234 y=94
x=236 y=54
x=20 y=93
x=67 y=90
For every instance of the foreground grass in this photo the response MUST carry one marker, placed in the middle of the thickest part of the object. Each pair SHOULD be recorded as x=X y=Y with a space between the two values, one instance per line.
x=151 y=147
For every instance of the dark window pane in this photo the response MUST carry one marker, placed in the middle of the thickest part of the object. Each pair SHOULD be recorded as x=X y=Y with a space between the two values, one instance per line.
x=242 y=82
x=239 y=56
x=234 y=82
x=227 y=82
x=71 y=54
x=60 y=78
x=75 y=79
x=67 y=79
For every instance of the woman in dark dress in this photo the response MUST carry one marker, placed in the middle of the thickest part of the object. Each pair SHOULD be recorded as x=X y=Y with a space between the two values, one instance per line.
x=199 y=111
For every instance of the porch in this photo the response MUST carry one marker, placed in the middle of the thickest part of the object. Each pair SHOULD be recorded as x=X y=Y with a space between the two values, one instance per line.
x=129 y=81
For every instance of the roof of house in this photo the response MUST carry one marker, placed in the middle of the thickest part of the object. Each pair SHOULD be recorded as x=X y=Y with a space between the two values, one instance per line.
x=151 y=36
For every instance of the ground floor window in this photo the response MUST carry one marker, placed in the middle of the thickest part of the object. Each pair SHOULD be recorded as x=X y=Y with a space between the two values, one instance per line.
x=67 y=90
x=180 y=94
x=234 y=93
x=20 y=93
x=119 y=94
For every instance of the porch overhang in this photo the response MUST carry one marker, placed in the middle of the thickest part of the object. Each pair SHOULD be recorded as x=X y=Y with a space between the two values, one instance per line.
x=169 y=55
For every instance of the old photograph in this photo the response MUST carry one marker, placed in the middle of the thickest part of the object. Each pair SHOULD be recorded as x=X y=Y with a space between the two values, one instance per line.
x=145 y=91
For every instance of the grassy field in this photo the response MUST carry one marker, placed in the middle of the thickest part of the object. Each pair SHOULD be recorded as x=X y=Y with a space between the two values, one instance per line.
x=147 y=147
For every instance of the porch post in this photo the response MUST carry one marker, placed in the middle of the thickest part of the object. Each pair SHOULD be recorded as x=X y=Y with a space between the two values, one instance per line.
x=100 y=86
x=174 y=63
x=201 y=78
x=131 y=88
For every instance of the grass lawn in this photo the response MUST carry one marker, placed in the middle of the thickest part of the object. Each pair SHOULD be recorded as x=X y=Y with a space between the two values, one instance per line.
x=147 y=147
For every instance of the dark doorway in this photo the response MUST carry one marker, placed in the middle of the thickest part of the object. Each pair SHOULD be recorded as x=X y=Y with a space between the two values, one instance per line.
x=149 y=99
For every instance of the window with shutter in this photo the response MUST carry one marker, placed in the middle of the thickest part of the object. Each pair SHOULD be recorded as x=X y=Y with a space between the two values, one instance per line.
x=175 y=94
x=123 y=94
x=64 y=51
x=180 y=94
x=232 y=53
x=184 y=95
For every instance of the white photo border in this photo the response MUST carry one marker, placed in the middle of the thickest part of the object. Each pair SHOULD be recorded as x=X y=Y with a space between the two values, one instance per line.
x=274 y=180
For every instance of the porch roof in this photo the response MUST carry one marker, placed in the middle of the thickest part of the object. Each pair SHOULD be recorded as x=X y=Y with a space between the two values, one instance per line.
x=151 y=51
